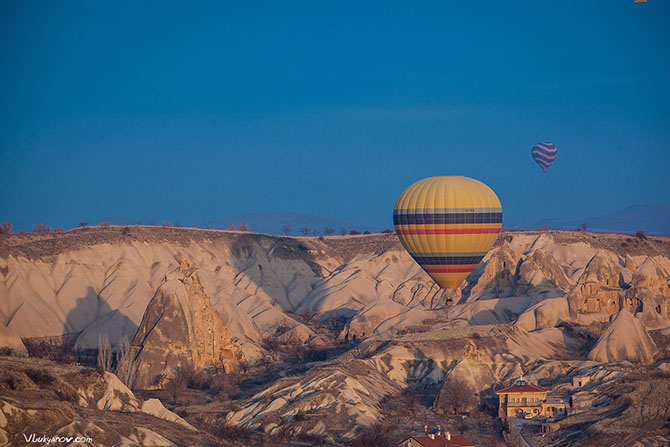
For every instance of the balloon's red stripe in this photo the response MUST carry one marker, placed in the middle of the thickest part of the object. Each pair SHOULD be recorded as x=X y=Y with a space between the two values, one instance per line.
x=440 y=269
x=449 y=231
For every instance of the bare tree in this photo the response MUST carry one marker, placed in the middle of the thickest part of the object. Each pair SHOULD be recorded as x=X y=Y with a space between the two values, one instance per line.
x=411 y=401
x=243 y=227
x=6 y=228
x=456 y=396
x=314 y=232
x=84 y=223
x=377 y=434
x=167 y=224
x=286 y=229
x=124 y=361
x=225 y=386
x=179 y=381
x=305 y=230
x=230 y=227
x=582 y=227
x=343 y=231
x=328 y=231
x=104 y=353
x=41 y=228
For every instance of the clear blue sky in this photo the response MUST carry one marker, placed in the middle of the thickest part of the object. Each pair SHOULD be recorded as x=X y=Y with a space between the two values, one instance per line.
x=166 y=111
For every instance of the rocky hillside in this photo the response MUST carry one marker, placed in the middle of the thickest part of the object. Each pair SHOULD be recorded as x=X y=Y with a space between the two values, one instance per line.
x=369 y=323
x=43 y=398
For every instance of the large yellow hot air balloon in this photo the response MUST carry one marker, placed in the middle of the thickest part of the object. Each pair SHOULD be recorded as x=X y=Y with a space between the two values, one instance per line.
x=447 y=224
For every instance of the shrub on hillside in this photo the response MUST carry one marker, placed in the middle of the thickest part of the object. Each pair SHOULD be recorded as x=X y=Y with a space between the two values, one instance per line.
x=58 y=352
x=225 y=386
x=456 y=396
x=641 y=234
x=39 y=376
x=377 y=434
x=354 y=232
x=6 y=228
x=41 y=228
x=235 y=433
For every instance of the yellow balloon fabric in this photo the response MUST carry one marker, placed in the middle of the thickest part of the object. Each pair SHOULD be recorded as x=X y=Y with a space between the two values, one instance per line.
x=447 y=224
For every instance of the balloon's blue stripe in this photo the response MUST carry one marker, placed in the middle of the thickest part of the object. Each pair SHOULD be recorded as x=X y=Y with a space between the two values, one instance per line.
x=447 y=260
x=547 y=158
x=445 y=218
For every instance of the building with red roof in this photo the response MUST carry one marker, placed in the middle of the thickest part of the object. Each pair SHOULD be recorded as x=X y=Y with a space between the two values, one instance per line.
x=528 y=400
x=436 y=439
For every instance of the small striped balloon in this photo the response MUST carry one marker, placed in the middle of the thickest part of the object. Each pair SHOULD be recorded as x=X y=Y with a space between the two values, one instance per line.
x=544 y=154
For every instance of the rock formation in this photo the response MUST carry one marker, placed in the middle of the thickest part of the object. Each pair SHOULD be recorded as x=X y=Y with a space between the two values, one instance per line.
x=649 y=294
x=9 y=340
x=624 y=339
x=181 y=328
x=545 y=314
x=598 y=289
x=498 y=277
x=540 y=271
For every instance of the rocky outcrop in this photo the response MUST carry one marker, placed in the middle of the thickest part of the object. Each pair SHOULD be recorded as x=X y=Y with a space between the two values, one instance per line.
x=370 y=317
x=155 y=408
x=540 y=272
x=598 y=289
x=624 y=339
x=9 y=340
x=545 y=314
x=649 y=294
x=51 y=398
x=181 y=328
x=498 y=277
x=472 y=369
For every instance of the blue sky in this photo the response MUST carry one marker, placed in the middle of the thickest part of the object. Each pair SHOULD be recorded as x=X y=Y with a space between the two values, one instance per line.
x=169 y=111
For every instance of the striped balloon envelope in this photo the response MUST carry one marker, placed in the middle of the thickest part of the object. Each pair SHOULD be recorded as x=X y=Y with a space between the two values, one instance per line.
x=544 y=154
x=447 y=224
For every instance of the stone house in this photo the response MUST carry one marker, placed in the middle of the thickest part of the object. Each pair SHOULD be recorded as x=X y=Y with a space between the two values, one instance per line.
x=524 y=398
x=580 y=380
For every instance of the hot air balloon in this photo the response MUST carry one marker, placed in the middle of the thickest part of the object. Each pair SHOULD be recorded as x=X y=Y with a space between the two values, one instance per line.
x=447 y=224
x=544 y=154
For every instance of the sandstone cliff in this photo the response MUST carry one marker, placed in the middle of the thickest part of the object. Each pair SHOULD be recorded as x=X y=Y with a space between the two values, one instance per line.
x=181 y=328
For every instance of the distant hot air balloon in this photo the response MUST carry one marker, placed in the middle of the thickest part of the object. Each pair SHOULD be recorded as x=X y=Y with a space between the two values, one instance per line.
x=544 y=154
x=447 y=224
